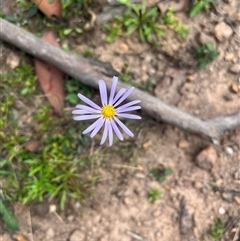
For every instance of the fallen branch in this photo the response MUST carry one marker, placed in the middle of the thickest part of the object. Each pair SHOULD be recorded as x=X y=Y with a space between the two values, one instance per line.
x=90 y=71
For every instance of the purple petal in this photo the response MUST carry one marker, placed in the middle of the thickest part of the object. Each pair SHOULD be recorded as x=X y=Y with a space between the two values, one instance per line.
x=128 y=92
x=130 y=116
x=123 y=127
x=119 y=94
x=113 y=89
x=87 y=108
x=134 y=102
x=105 y=132
x=91 y=127
x=86 y=117
x=110 y=134
x=116 y=130
x=80 y=112
x=137 y=107
x=103 y=91
x=89 y=102
x=98 y=127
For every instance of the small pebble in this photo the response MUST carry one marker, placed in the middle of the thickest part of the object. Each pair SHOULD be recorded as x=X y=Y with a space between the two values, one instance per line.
x=40 y=209
x=77 y=205
x=228 y=97
x=128 y=201
x=227 y=196
x=237 y=199
x=5 y=237
x=50 y=234
x=77 y=235
x=140 y=175
x=206 y=159
x=234 y=88
x=221 y=211
x=229 y=150
x=235 y=68
x=13 y=60
x=198 y=184
x=230 y=57
x=183 y=143
x=52 y=208
x=223 y=31
x=122 y=48
x=205 y=39
x=70 y=218
x=190 y=78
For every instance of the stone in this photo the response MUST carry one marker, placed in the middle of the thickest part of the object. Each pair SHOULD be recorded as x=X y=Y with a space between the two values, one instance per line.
x=70 y=218
x=205 y=39
x=229 y=150
x=221 y=211
x=228 y=97
x=50 y=234
x=5 y=237
x=140 y=175
x=122 y=48
x=223 y=31
x=77 y=235
x=235 y=68
x=234 y=88
x=13 y=60
x=237 y=199
x=198 y=184
x=226 y=196
x=52 y=208
x=183 y=143
x=40 y=209
x=206 y=159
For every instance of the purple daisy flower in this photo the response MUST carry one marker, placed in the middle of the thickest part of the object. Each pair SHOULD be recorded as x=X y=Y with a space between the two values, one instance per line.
x=108 y=114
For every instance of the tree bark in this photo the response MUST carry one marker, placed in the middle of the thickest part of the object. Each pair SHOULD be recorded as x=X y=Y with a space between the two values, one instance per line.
x=90 y=71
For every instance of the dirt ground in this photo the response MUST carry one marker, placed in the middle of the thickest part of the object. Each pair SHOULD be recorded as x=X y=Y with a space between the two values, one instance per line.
x=192 y=197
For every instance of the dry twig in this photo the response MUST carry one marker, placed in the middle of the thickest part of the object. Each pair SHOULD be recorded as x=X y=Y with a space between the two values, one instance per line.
x=90 y=71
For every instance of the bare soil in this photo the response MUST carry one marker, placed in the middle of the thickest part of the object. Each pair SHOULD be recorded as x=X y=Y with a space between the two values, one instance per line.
x=192 y=197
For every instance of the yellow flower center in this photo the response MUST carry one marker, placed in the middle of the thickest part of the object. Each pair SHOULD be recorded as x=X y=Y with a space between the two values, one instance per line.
x=108 y=111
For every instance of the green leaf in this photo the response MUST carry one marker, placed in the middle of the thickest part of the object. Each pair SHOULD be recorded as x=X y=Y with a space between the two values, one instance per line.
x=131 y=29
x=141 y=34
x=25 y=91
x=72 y=98
x=168 y=171
x=31 y=12
x=78 y=30
x=9 y=219
x=67 y=31
x=10 y=18
x=196 y=8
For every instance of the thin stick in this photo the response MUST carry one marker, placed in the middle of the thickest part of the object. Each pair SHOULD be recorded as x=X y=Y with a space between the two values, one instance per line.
x=30 y=221
x=90 y=71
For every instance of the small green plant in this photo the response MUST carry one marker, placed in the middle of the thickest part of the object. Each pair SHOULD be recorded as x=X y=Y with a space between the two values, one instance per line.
x=44 y=158
x=205 y=54
x=24 y=80
x=89 y=53
x=154 y=195
x=73 y=86
x=114 y=30
x=137 y=18
x=217 y=229
x=147 y=85
x=171 y=21
x=161 y=173
x=7 y=216
x=199 y=5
